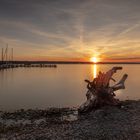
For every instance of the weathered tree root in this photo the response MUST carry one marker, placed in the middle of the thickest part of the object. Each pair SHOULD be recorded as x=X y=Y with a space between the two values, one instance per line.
x=100 y=93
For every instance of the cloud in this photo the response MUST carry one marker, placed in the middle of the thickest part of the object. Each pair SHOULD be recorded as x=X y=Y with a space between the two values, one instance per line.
x=72 y=29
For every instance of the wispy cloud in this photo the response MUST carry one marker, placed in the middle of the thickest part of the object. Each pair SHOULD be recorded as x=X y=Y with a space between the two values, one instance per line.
x=71 y=29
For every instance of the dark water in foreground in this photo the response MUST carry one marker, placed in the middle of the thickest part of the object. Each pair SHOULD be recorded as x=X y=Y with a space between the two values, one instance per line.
x=60 y=87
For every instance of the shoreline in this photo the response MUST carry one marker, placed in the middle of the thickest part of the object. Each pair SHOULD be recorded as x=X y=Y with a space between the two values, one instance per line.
x=69 y=62
x=108 y=122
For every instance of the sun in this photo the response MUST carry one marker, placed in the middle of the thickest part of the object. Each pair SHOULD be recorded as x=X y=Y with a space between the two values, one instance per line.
x=93 y=59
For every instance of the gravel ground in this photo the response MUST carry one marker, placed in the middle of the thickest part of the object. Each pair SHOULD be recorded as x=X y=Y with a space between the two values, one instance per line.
x=106 y=123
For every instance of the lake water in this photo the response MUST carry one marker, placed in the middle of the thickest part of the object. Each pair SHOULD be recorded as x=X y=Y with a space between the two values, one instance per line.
x=63 y=86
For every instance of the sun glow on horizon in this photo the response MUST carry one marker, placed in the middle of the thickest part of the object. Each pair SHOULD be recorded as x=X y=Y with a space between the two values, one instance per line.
x=94 y=59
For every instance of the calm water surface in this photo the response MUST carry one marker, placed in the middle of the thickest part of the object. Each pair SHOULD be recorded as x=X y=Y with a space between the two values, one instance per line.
x=61 y=87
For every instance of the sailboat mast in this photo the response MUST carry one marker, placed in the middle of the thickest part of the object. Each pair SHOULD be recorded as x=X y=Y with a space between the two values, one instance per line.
x=12 y=55
x=7 y=53
x=2 y=55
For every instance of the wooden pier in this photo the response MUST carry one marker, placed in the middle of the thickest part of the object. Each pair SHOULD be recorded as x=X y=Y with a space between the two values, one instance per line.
x=11 y=66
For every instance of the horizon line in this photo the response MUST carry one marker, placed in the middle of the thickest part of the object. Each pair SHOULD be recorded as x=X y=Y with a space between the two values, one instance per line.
x=72 y=62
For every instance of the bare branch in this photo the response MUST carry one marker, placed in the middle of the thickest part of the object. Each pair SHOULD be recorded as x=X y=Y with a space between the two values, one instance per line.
x=100 y=93
x=120 y=84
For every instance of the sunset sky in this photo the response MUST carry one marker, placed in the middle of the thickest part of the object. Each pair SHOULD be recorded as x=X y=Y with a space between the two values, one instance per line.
x=71 y=30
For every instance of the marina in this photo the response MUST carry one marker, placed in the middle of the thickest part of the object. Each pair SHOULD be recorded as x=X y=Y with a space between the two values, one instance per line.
x=12 y=65
x=7 y=61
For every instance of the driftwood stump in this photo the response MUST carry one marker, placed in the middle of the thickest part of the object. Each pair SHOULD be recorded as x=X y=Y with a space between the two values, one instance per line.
x=100 y=93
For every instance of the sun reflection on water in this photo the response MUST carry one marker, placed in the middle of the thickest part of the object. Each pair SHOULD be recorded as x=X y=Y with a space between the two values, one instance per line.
x=94 y=71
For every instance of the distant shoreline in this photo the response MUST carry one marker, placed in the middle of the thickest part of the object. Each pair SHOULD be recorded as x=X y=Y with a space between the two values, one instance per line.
x=67 y=62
